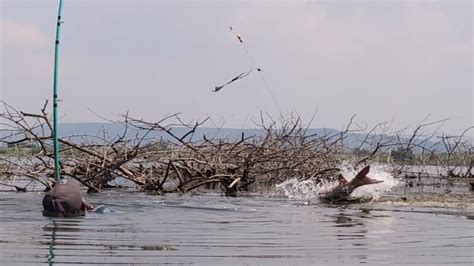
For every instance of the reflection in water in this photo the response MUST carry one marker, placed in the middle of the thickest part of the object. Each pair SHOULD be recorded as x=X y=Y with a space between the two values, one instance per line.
x=51 y=246
x=343 y=220
x=55 y=228
x=213 y=230
x=362 y=234
x=351 y=234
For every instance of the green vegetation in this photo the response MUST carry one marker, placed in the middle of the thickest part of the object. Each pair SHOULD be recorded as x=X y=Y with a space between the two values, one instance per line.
x=401 y=155
x=19 y=151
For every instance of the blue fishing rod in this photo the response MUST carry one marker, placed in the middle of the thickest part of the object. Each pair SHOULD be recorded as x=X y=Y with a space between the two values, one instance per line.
x=57 y=168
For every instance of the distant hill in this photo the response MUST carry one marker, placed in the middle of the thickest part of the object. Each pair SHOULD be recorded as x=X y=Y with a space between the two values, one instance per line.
x=115 y=130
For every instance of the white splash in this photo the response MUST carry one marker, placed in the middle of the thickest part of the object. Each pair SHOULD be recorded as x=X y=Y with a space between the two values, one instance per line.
x=306 y=190
x=374 y=191
x=298 y=190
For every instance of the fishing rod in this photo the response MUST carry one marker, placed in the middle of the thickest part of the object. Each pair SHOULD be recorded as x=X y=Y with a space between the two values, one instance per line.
x=57 y=166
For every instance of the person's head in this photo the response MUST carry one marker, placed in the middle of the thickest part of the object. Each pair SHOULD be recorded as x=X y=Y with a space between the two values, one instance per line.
x=64 y=199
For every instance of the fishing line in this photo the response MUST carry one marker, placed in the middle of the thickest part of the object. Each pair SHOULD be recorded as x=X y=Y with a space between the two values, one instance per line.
x=259 y=70
x=239 y=76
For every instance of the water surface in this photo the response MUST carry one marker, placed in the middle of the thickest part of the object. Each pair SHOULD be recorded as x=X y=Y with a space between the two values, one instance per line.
x=214 y=230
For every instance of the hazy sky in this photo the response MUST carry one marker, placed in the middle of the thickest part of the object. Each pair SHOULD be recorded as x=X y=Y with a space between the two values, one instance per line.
x=377 y=59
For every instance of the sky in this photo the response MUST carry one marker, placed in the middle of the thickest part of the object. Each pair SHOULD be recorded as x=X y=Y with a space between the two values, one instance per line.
x=393 y=61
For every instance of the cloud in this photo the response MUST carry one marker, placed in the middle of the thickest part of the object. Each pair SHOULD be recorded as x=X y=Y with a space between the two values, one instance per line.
x=399 y=59
x=380 y=61
x=25 y=62
x=18 y=34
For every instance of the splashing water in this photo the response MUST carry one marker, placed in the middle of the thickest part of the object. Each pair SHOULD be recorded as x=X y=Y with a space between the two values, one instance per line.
x=375 y=191
x=306 y=190
x=299 y=190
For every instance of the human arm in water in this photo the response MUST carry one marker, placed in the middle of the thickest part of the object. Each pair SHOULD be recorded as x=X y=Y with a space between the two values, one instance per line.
x=87 y=206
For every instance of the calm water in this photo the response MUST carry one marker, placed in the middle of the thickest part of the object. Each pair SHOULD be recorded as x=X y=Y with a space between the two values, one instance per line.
x=214 y=230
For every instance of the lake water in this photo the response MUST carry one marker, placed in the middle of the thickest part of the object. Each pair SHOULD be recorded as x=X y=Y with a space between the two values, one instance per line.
x=215 y=230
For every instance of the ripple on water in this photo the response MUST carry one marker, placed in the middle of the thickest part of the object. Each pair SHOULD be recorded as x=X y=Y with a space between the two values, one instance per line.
x=214 y=230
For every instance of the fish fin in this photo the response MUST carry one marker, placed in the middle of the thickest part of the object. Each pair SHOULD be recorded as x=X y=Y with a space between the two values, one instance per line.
x=362 y=173
x=362 y=179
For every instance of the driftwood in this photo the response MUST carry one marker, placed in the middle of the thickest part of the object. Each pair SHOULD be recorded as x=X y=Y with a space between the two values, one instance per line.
x=176 y=163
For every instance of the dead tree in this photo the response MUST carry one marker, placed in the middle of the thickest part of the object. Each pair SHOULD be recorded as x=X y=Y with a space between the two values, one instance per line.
x=286 y=148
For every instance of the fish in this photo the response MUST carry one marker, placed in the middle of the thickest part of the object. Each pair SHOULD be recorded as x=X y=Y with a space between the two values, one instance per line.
x=342 y=192
x=103 y=209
